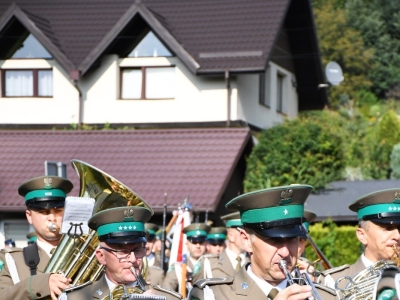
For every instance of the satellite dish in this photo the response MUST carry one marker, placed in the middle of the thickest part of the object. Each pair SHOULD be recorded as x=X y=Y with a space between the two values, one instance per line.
x=334 y=73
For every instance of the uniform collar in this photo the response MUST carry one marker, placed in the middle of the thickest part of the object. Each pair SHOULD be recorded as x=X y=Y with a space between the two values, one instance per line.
x=45 y=246
x=263 y=284
x=366 y=261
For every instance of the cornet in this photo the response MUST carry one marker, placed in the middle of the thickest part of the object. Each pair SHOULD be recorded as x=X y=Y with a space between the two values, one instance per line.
x=301 y=279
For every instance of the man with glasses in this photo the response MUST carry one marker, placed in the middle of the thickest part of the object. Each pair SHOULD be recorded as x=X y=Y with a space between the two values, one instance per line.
x=122 y=248
x=196 y=235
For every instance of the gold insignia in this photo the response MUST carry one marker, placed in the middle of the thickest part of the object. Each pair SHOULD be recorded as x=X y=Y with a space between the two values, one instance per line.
x=397 y=197
x=286 y=197
x=128 y=213
x=48 y=183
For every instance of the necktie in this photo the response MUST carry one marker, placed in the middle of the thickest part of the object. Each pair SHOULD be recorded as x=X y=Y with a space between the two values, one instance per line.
x=272 y=294
x=239 y=263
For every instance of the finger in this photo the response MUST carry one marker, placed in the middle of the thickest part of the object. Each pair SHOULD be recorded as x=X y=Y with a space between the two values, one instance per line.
x=53 y=296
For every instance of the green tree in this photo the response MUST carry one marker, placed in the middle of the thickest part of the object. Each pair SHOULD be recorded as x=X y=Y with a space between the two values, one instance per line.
x=295 y=152
x=395 y=161
x=343 y=44
x=378 y=23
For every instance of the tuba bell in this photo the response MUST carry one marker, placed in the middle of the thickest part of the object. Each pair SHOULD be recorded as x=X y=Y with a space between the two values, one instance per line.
x=75 y=257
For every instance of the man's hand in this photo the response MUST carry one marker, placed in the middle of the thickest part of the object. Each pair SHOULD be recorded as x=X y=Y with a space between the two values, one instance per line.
x=57 y=284
x=295 y=292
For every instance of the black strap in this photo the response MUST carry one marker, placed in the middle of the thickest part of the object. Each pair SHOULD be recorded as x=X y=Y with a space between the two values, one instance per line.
x=31 y=256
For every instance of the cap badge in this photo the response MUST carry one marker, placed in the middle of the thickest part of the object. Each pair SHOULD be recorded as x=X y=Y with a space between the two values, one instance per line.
x=128 y=214
x=397 y=197
x=48 y=183
x=286 y=197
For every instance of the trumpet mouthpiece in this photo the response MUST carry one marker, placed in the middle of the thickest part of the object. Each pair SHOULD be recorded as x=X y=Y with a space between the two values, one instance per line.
x=53 y=227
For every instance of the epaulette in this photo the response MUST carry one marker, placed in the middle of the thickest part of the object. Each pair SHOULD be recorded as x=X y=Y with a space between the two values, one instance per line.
x=334 y=270
x=10 y=250
x=325 y=288
x=171 y=292
x=212 y=281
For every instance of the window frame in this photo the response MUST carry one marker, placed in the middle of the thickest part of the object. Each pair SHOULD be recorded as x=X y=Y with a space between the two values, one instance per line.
x=280 y=91
x=264 y=91
x=143 y=87
x=61 y=166
x=35 y=76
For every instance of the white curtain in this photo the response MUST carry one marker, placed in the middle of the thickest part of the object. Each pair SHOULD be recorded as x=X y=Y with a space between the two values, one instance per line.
x=131 y=84
x=19 y=83
x=160 y=83
x=45 y=83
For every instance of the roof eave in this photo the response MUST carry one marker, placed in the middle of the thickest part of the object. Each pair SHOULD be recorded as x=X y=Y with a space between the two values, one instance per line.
x=15 y=11
x=161 y=31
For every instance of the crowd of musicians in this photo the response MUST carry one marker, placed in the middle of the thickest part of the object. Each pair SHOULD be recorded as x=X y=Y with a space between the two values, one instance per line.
x=256 y=255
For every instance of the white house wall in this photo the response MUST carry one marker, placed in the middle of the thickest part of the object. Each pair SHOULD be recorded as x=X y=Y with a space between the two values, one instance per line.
x=62 y=108
x=253 y=112
x=198 y=99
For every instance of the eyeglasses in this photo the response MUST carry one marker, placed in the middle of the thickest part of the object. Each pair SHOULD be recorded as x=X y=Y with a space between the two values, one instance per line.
x=126 y=253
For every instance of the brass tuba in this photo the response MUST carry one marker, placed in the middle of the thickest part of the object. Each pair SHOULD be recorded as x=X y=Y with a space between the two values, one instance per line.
x=75 y=257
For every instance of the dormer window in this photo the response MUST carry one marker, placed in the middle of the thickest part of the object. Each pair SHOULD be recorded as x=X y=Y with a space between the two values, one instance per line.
x=31 y=48
x=150 y=46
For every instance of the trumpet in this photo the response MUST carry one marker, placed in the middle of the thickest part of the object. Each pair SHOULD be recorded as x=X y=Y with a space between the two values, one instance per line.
x=301 y=279
x=53 y=227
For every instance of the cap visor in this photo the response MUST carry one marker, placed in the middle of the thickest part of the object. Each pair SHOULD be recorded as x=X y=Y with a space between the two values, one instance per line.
x=45 y=204
x=125 y=240
x=195 y=240
x=286 y=231
x=391 y=220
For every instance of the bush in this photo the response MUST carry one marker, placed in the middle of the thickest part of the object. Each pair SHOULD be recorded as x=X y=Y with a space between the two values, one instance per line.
x=298 y=151
x=338 y=243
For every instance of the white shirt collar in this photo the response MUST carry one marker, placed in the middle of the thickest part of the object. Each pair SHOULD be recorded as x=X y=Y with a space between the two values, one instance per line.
x=263 y=284
x=232 y=257
x=45 y=246
x=112 y=285
x=367 y=263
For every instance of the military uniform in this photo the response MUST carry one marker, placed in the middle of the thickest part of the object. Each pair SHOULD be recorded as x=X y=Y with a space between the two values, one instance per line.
x=43 y=192
x=195 y=233
x=155 y=275
x=37 y=285
x=276 y=213
x=100 y=289
x=380 y=208
x=242 y=286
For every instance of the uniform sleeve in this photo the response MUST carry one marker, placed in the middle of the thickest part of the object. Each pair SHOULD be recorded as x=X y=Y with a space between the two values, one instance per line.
x=171 y=281
x=32 y=287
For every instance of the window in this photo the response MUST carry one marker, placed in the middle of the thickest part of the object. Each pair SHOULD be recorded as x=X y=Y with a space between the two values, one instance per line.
x=55 y=169
x=148 y=83
x=150 y=46
x=31 y=48
x=264 y=88
x=280 y=79
x=27 y=83
x=16 y=230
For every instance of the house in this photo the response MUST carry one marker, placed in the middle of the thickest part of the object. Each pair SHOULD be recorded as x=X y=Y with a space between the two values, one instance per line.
x=206 y=70
x=157 y=62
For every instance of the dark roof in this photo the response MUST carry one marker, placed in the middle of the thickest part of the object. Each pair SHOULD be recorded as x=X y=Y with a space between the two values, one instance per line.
x=334 y=202
x=194 y=163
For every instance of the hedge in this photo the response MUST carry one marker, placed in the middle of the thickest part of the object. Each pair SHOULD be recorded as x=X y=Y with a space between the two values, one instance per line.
x=338 y=243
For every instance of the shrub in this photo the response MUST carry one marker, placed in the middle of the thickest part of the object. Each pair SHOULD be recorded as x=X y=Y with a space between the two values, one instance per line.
x=295 y=152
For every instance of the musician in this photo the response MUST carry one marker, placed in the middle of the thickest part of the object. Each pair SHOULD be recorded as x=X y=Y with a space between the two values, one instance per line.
x=44 y=199
x=122 y=238
x=229 y=261
x=196 y=234
x=216 y=239
x=272 y=221
x=155 y=275
x=378 y=230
